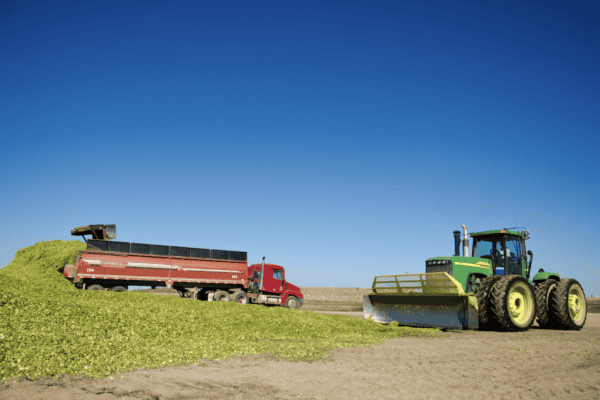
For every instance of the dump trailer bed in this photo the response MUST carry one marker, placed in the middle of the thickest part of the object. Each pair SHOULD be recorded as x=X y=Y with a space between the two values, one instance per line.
x=434 y=300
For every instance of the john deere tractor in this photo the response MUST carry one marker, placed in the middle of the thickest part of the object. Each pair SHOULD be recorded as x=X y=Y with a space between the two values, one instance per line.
x=491 y=289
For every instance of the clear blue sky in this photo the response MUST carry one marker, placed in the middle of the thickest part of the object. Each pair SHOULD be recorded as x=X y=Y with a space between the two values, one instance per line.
x=341 y=141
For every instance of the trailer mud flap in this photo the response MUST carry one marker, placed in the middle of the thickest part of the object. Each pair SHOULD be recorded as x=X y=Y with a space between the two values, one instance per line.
x=450 y=312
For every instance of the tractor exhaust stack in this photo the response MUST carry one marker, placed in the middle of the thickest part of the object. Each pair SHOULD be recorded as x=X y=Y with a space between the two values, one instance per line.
x=465 y=243
x=456 y=243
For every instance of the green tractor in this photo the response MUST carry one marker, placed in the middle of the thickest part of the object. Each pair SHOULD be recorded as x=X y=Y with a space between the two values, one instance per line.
x=490 y=290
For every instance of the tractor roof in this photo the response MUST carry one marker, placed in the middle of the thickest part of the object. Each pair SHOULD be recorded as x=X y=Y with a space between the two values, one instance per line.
x=507 y=231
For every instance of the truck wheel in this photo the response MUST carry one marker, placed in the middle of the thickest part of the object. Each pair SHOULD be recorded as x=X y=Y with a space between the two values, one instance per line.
x=119 y=289
x=482 y=293
x=239 y=297
x=542 y=302
x=567 y=305
x=220 y=295
x=291 y=302
x=95 y=287
x=513 y=303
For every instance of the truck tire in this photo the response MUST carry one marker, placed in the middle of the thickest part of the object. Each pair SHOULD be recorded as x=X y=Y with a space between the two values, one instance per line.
x=567 y=305
x=292 y=302
x=95 y=287
x=221 y=295
x=482 y=294
x=119 y=289
x=240 y=297
x=542 y=303
x=513 y=303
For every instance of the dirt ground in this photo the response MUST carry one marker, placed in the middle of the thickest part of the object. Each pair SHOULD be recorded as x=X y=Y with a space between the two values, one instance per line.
x=454 y=364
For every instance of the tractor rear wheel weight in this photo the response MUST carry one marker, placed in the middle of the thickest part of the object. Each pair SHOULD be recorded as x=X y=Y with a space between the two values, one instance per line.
x=482 y=293
x=568 y=305
x=513 y=303
x=545 y=319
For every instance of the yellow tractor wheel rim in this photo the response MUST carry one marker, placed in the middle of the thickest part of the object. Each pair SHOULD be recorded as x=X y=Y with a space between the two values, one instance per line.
x=520 y=304
x=576 y=304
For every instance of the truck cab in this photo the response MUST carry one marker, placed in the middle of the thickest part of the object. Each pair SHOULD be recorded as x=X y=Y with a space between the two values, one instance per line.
x=267 y=285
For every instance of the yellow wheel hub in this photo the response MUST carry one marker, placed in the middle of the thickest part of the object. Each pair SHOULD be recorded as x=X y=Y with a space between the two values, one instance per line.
x=576 y=304
x=520 y=304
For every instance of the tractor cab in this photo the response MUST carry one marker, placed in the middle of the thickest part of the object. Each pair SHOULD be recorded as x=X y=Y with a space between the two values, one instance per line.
x=505 y=248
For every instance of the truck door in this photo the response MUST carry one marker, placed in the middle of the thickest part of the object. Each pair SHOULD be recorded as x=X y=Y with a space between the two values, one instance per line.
x=277 y=281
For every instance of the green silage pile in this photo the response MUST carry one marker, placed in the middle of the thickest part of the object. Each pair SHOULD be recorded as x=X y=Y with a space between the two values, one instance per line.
x=48 y=327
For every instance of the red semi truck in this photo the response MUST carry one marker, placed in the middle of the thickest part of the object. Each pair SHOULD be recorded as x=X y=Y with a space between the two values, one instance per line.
x=203 y=274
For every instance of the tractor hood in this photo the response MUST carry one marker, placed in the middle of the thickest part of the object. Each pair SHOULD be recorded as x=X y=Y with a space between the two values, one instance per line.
x=456 y=263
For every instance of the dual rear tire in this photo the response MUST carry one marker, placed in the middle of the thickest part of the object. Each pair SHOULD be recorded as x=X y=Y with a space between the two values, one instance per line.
x=561 y=304
x=510 y=303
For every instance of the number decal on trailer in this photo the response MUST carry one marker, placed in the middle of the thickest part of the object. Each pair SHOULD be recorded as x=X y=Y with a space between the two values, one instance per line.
x=90 y=269
x=234 y=276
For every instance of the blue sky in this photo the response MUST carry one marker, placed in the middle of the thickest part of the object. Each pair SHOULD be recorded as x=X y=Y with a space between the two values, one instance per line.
x=340 y=140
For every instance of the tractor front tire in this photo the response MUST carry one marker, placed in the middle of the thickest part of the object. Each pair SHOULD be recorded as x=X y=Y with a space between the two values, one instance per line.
x=542 y=303
x=513 y=303
x=567 y=305
x=482 y=293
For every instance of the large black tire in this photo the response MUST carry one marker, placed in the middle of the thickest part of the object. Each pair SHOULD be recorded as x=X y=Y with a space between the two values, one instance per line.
x=513 y=303
x=542 y=303
x=567 y=305
x=239 y=297
x=221 y=295
x=292 y=302
x=95 y=287
x=482 y=294
x=119 y=289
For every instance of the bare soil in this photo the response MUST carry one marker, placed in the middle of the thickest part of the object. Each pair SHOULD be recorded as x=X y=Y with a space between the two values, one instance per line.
x=454 y=364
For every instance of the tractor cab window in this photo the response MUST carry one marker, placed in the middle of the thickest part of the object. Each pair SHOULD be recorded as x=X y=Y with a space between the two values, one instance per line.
x=277 y=275
x=483 y=249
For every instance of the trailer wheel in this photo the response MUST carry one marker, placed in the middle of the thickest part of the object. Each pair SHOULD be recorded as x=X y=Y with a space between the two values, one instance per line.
x=221 y=295
x=513 y=303
x=119 y=289
x=291 y=302
x=239 y=297
x=95 y=287
x=483 y=295
x=568 y=305
x=542 y=302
